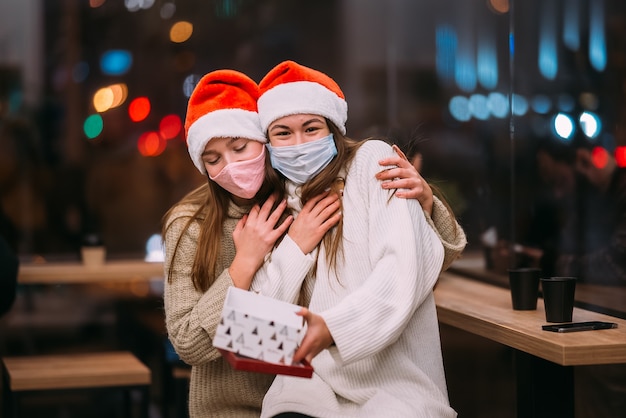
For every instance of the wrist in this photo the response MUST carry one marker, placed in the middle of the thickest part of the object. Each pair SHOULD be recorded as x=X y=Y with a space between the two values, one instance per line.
x=241 y=273
x=296 y=239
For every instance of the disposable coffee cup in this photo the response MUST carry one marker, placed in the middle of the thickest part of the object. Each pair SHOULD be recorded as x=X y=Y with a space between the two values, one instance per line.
x=524 y=285
x=93 y=252
x=558 y=298
x=93 y=256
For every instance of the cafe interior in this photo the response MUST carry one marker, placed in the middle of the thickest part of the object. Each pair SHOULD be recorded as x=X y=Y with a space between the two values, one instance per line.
x=497 y=100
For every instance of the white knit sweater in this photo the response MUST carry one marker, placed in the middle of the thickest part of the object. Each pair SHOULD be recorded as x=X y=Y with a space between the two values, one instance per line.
x=379 y=308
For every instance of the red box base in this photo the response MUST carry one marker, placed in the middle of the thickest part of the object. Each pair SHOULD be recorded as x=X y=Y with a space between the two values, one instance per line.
x=238 y=362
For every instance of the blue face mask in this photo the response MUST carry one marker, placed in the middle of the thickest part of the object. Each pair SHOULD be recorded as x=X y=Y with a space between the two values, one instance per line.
x=299 y=163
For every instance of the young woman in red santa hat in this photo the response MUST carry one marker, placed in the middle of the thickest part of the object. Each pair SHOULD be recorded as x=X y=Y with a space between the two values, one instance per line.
x=220 y=234
x=372 y=336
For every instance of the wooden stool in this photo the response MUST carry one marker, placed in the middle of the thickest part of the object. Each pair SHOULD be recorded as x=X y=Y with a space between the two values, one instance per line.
x=119 y=369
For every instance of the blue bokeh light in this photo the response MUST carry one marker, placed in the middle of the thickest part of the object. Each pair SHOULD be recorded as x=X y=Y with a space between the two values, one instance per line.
x=498 y=104
x=479 y=107
x=541 y=104
x=116 y=62
x=459 y=108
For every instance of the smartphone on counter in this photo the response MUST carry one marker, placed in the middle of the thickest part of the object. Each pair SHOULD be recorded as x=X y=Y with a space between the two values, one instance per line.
x=579 y=326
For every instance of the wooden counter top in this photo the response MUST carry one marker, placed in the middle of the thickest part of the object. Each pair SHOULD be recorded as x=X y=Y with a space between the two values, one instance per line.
x=76 y=272
x=485 y=309
x=601 y=298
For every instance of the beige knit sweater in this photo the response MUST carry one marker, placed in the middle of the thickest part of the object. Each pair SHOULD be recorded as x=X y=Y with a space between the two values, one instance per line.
x=216 y=390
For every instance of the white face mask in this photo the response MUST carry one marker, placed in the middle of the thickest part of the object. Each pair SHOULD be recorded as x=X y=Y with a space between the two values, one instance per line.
x=299 y=163
x=243 y=178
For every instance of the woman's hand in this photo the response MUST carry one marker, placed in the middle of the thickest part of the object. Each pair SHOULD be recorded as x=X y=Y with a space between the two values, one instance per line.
x=405 y=178
x=316 y=218
x=254 y=237
x=316 y=339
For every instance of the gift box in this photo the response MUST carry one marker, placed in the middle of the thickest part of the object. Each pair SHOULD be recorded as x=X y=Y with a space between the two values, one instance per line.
x=302 y=369
x=259 y=327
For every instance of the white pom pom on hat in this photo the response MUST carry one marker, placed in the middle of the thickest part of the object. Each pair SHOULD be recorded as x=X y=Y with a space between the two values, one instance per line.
x=223 y=104
x=290 y=88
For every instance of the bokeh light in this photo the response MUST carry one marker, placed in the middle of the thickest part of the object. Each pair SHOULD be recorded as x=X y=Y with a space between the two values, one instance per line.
x=103 y=99
x=150 y=144
x=563 y=126
x=189 y=84
x=499 y=6
x=590 y=124
x=589 y=100
x=541 y=104
x=170 y=126
x=139 y=109
x=597 y=36
x=136 y=5
x=109 y=97
x=520 y=105
x=181 y=31
x=167 y=10
x=566 y=103
x=599 y=157
x=620 y=156
x=93 y=126
x=460 y=109
x=498 y=104
x=120 y=93
x=447 y=43
x=116 y=62
x=479 y=107
x=154 y=249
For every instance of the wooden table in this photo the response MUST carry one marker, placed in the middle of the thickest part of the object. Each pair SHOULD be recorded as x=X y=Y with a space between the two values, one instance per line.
x=117 y=369
x=76 y=272
x=544 y=359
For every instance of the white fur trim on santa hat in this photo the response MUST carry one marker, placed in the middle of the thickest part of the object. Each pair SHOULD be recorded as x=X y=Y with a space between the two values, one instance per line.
x=302 y=97
x=223 y=123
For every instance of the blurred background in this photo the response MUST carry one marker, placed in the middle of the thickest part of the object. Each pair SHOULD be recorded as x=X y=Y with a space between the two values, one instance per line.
x=494 y=95
x=93 y=96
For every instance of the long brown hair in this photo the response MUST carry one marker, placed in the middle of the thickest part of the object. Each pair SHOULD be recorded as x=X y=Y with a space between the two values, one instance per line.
x=346 y=150
x=213 y=201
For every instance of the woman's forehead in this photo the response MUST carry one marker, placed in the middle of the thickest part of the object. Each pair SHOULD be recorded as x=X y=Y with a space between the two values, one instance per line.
x=300 y=118
x=220 y=143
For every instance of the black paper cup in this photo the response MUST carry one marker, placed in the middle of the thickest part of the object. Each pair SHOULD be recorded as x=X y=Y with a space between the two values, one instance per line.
x=524 y=284
x=558 y=298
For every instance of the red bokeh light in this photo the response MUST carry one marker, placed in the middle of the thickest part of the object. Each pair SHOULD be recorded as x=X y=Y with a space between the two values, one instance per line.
x=170 y=126
x=620 y=156
x=139 y=109
x=599 y=156
x=150 y=144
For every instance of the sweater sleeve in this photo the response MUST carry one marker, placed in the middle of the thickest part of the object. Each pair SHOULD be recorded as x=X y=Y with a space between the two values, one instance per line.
x=449 y=232
x=283 y=272
x=191 y=316
x=405 y=256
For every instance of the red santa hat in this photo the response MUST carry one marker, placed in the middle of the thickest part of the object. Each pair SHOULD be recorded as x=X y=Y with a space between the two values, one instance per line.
x=291 y=88
x=223 y=104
